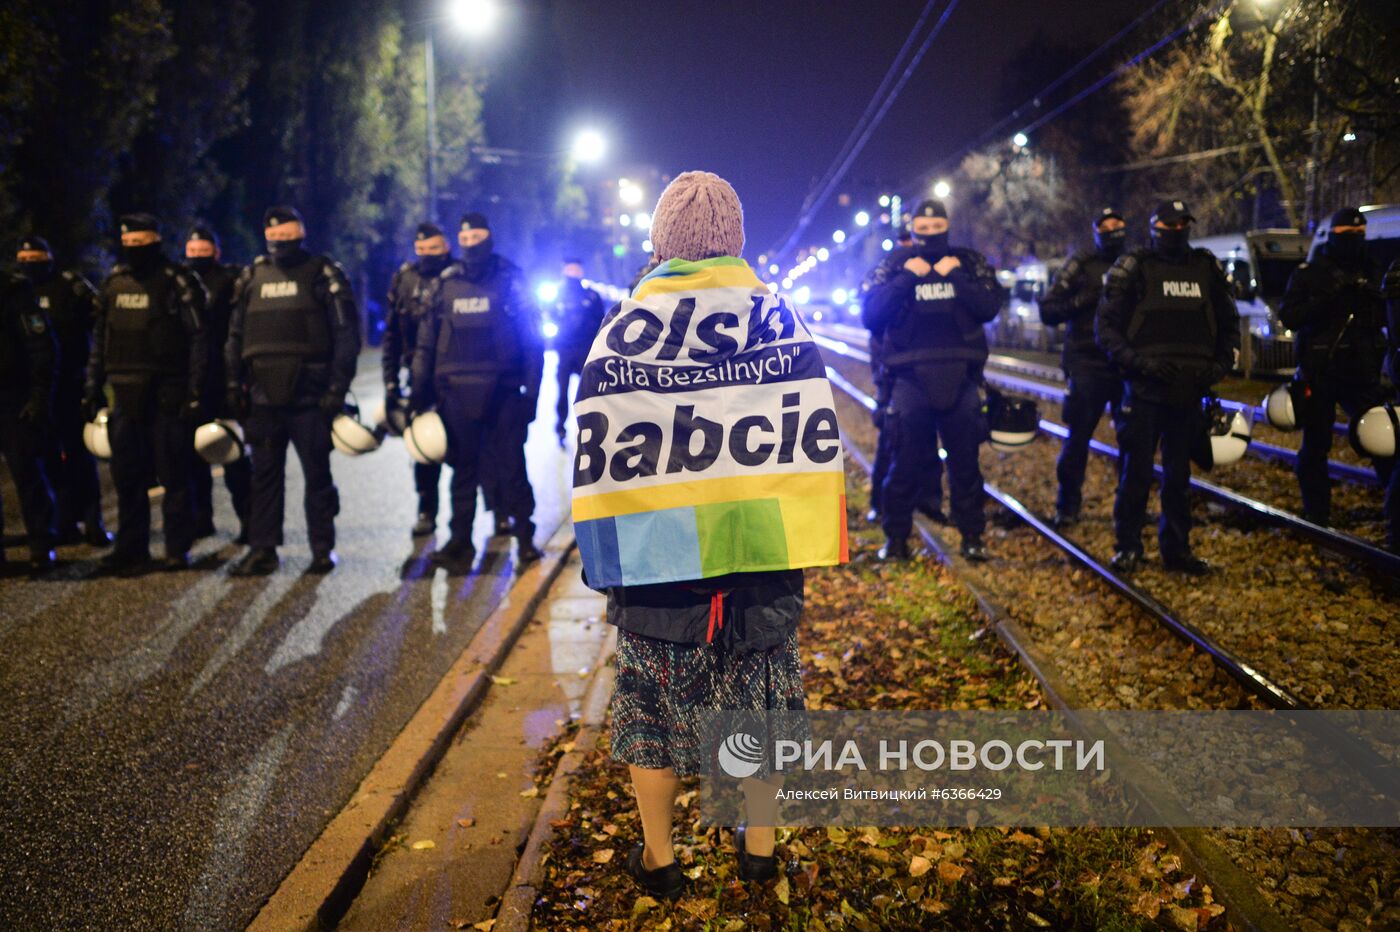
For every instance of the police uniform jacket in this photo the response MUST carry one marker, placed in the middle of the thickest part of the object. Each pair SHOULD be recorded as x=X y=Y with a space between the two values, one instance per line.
x=70 y=303
x=28 y=353
x=409 y=300
x=1072 y=299
x=1177 y=311
x=1337 y=316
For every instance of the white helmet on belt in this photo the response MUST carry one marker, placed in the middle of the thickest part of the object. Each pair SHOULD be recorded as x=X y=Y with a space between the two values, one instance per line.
x=1374 y=432
x=1012 y=422
x=1229 y=433
x=426 y=438
x=95 y=436
x=1279 y=407
x=350 y=436
x=219 y=442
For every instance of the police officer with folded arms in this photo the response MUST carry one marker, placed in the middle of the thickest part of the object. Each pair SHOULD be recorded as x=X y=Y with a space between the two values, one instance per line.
x=409 y=298
x=1073 y=300
x=931 y=301
x=579 y=313
x=292 y=343
x=203 y=258
x=1333 y=304
x=69 y=302
x=151 y=344
x=1167 y=320
x=481 y=354
x=28 y=366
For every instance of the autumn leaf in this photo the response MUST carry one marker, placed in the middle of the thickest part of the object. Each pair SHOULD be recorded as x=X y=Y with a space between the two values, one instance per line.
x=504 y=680
x=919 y=865
x=466 y=823
x=604 y=856
x=423 y=845
x=948 y=872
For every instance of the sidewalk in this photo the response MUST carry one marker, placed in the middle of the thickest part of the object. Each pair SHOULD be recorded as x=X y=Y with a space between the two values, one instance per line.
x=452 y=857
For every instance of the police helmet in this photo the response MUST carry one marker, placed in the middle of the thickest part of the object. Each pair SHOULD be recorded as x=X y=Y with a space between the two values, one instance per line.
x=351 y=436
x=1225 y=439
x=1374 y=432
x=1013 y=422
x=391 y=419
x=1280 y=407
x=219 y=442
x=95 y=436
x=426 y=439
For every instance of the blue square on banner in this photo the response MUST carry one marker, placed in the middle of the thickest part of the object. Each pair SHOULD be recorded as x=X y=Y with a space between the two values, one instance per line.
x=658 y=546
x=597 y=545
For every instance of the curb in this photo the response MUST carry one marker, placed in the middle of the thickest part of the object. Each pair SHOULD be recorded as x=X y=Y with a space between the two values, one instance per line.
x=319 y=889
x=518 y=902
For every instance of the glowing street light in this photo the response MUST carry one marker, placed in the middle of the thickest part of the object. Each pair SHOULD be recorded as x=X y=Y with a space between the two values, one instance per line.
x=862 y=219
x=839 y=236
x=802 y=295
x=773 y=269
x=1020 y=140
x=887 y=245
x=823 y=254
x=547 y=292
x=473 y=17
x=646 y=246
x=942 y=188
x=625 y=220
x=642 y=220
x=787 y=284
x=838 y=296
x=629 y=192
x=589 y=146
x=884 y=200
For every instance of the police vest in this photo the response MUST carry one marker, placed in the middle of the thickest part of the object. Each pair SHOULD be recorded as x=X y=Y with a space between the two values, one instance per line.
x=144 y=334
x=934 y=327
x=1347 y=338
x=476 y=333
x=61 y=300
x=1174 y=319
x=284 y=317
x=1079 y=332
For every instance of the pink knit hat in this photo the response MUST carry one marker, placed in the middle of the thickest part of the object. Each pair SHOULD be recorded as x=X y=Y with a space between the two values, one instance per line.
x=697 y=217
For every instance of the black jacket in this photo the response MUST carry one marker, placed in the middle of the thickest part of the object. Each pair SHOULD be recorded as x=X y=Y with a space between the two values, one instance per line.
x=70 y=302
x=580 y=313
x=1337 y=315
x=1390 y=289
x=890 y=302
x=758 y=611
x=28 y=353
x=187 y=302
x=1072 y=299
x=409 y=298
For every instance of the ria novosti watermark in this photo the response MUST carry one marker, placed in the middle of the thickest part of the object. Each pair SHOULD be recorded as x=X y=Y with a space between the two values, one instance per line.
x=1042 y=768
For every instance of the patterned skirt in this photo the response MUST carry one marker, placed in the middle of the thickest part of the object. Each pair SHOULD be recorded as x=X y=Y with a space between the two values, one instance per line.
x=663 y=690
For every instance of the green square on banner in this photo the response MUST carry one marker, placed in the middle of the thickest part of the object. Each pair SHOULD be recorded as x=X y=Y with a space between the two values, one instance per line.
x=741 y=536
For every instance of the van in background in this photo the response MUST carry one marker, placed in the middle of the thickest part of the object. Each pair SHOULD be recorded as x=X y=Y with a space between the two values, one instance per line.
x=1257 y=264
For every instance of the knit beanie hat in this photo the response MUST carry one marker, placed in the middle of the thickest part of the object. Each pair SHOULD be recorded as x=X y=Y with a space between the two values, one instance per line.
x=697 y=217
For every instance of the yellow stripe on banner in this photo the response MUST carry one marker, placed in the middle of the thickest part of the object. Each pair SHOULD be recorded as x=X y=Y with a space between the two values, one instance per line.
x=813 y=528
x=723 y=276
x=710 y=492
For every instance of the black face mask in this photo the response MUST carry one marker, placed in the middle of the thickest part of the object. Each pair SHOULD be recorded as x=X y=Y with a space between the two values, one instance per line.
x=286 y=251
x=1173 y=244
x=201 y=264
x=1111 y=243
x=433 y=265
x=475 y=258
x=141 y=258
x=1346 y=248
x=37 y=272
x=932 y=246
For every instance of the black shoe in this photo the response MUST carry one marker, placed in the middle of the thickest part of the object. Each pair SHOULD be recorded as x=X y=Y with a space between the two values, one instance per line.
x=322 y=562
x=895 y=550
x=425 y=525
x=175 y=562
x=1126 y=562
x=67 y=536
x=753 y=866
x=40 y=562
x=1189 y=564
x=242 y=538
x=259 y=561
x=204 y=529
x=973 y=550
x=456 y=557
x=504 y=527
x=96 y=535
x=933 y=512
x=667 y=882
x=1064 y=519
x=526 y=553
x=873 y=516
x=120 y=563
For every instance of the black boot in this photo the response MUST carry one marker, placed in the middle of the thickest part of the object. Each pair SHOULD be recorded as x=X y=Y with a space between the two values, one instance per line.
x=260 y=561
x=1189 y=564
x=667 y=882
x=895 y=550
x=973 y=550
x=425 y=525
x=125 y=563
x=1126 y=562
x=322 y=562
x=753 y=866
x=456 y=557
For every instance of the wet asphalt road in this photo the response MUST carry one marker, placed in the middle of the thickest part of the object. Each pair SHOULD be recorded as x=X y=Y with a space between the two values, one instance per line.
x=170 y=745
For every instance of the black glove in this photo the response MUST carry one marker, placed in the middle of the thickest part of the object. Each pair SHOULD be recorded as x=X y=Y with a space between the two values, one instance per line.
x=332 y=403
x=392 y=394
x=35 y=410
x=236 y=401
x=93 y=402
x=1161 y=370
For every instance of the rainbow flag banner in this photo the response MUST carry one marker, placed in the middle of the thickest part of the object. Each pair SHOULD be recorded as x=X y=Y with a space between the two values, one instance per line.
x=707 y=435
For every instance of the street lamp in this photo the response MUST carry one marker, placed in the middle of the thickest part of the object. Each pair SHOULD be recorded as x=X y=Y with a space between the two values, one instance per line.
x=589 y=146
x=862 y=218
x=942 y=189
x=473 y=18
x=1020 y=140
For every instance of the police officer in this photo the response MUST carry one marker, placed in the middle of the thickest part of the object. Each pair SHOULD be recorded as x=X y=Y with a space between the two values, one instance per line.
x=1168 y=322
x=1333 y=304
x=408 y=307
x=481 y=354
x=202 y=255
x=579 y=313
x=1073 y=299
x=290 y=356
x=151 y=343
x=1390 y=289
x=28 y=364
x=931 y=301
x=69 y=302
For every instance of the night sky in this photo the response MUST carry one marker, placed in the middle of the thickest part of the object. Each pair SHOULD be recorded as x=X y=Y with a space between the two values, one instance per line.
x=765 y=93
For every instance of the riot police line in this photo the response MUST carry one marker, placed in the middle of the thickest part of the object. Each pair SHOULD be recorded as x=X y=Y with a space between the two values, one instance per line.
x=1150 y=332
x=206 y=364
